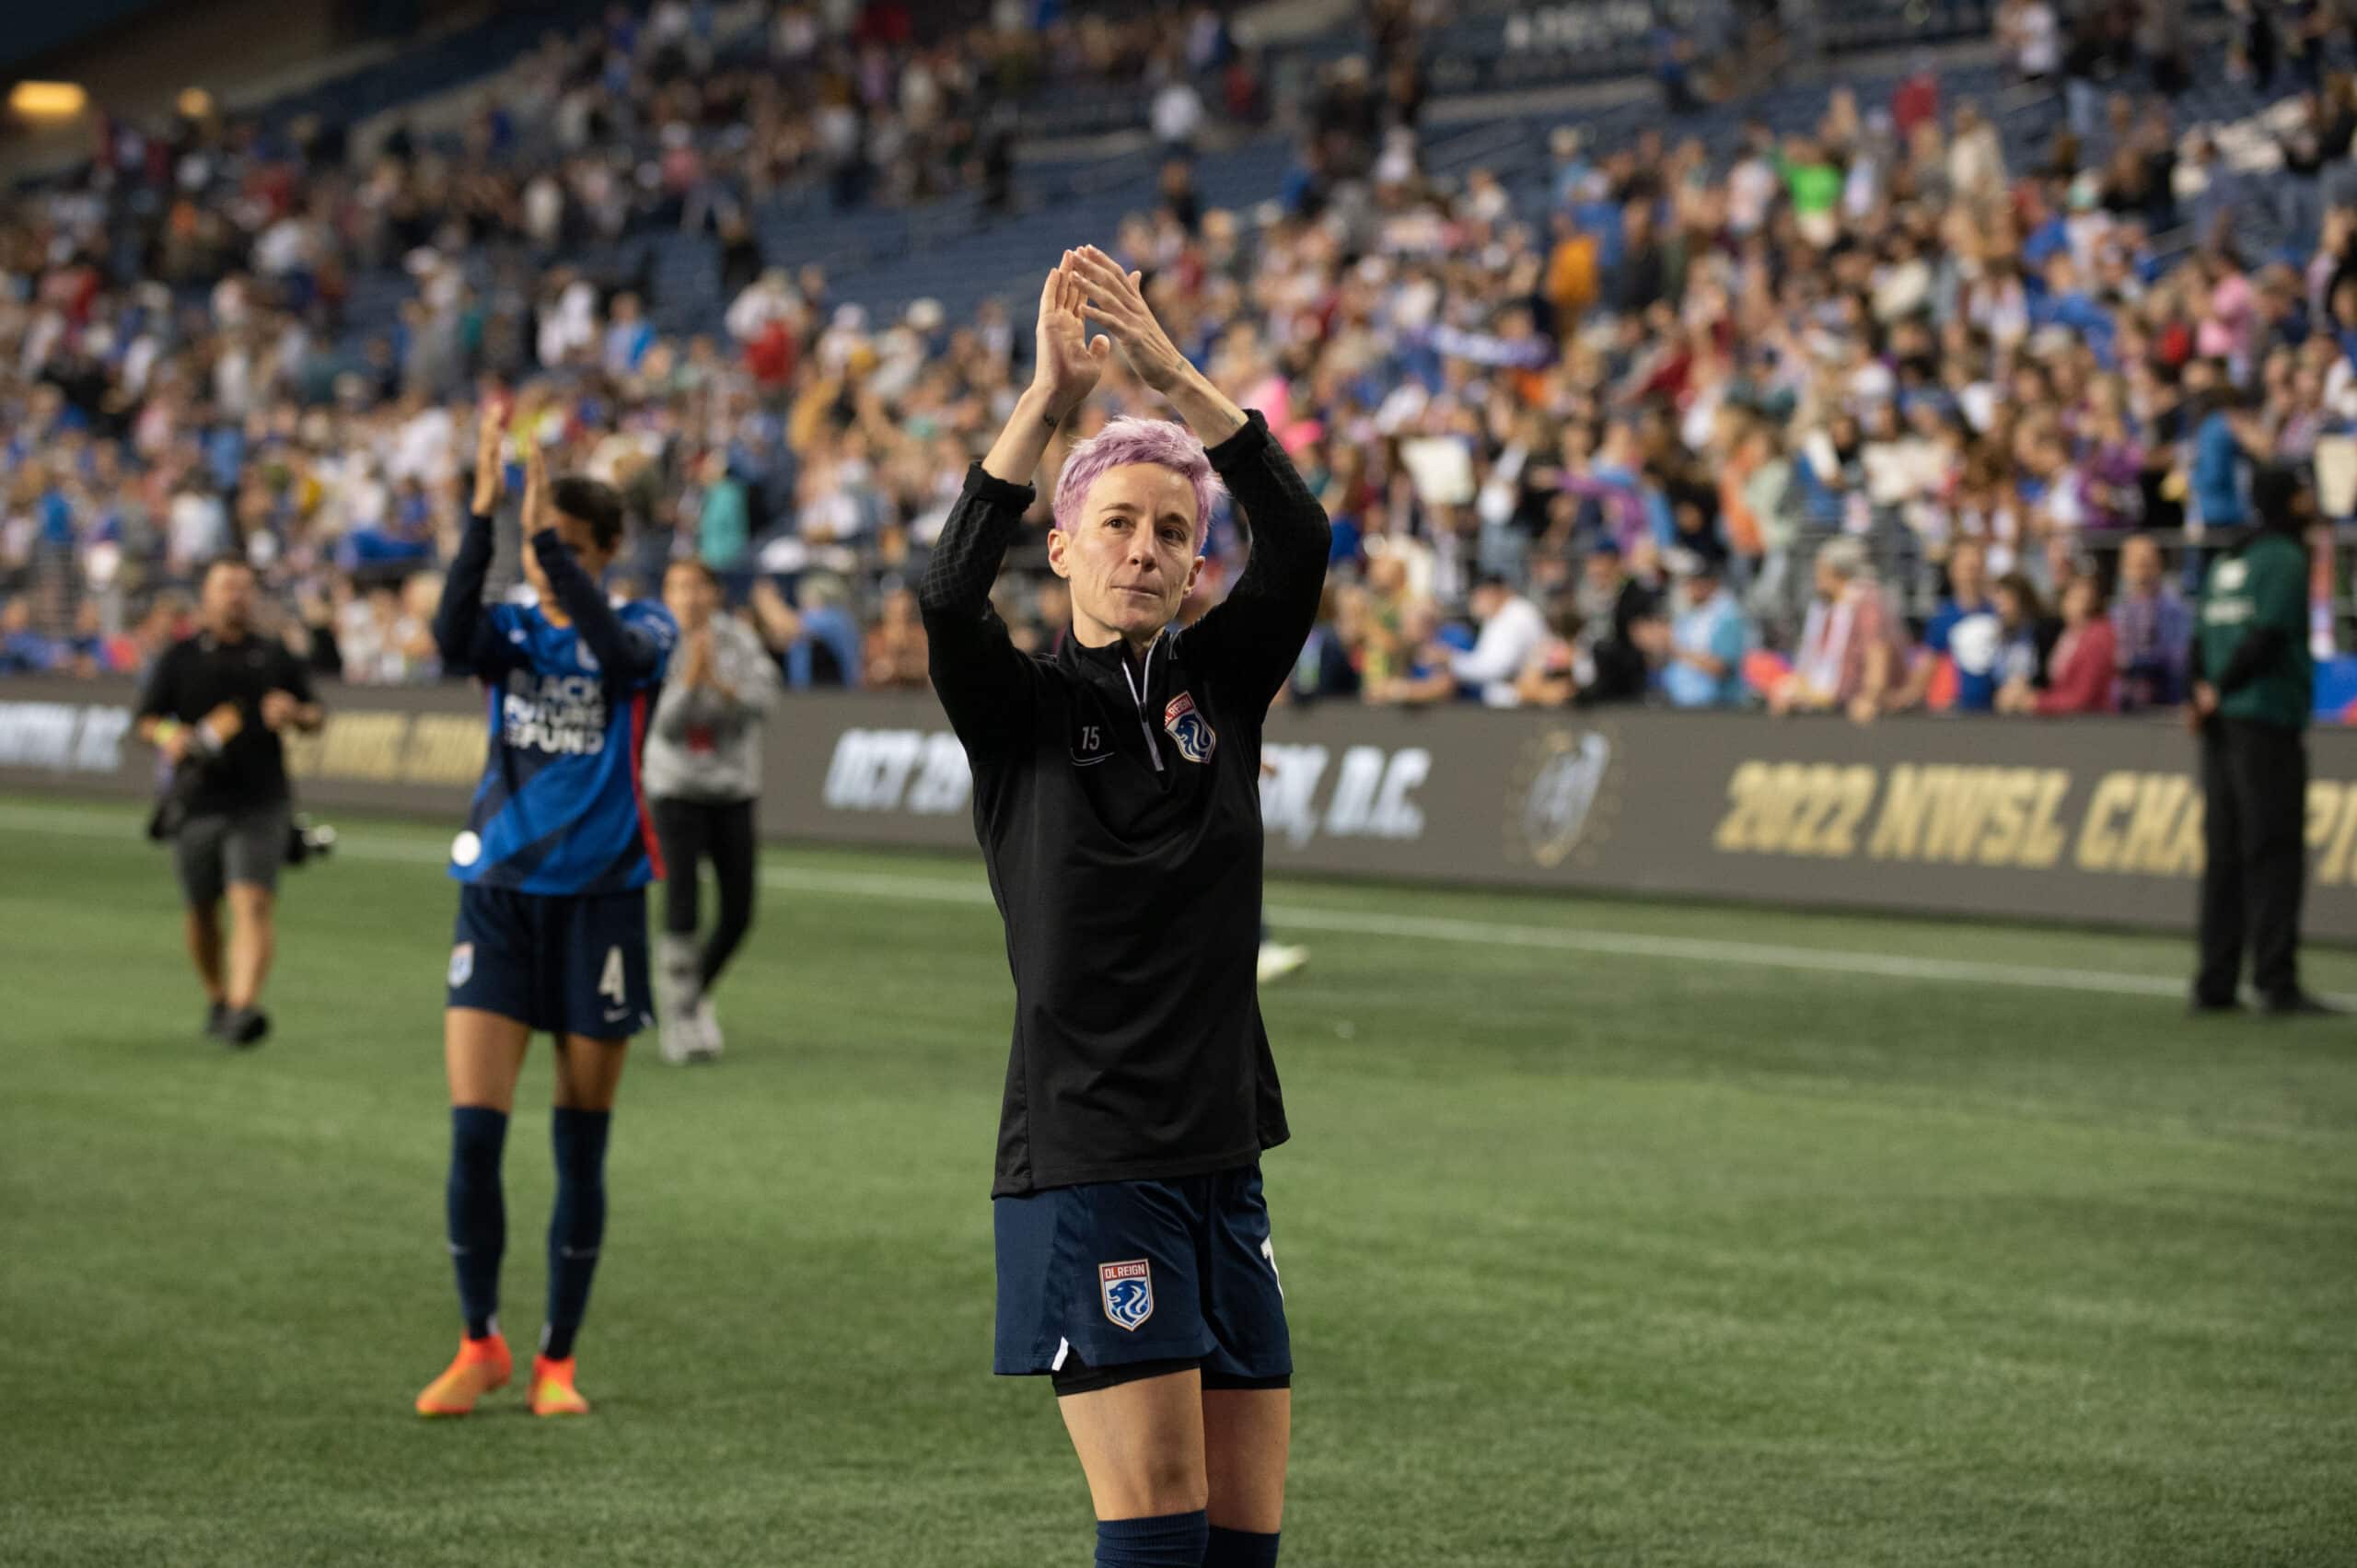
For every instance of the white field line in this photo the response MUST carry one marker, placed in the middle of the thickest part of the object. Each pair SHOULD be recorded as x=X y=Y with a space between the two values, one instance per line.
x=1287 y=919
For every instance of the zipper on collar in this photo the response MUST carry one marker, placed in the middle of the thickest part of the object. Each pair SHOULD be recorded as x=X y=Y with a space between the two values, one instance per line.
x=1139 y=685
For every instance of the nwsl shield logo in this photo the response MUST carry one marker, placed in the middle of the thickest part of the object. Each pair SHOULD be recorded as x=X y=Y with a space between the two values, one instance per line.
x=1127 y=1291
x=462 y=963
x=1188 y=729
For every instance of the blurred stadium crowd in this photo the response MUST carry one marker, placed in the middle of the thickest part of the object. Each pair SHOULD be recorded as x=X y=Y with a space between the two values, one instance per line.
x=1929 y=404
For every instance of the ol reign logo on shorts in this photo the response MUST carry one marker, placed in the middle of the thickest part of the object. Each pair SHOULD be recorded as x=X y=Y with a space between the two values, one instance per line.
x=1188 y=729
x=1127 y=1288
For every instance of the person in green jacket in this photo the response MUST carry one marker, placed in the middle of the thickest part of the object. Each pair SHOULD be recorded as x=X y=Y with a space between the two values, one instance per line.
x=2253 y=687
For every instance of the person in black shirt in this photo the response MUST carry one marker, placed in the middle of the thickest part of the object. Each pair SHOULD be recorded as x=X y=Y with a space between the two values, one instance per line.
x=1622 y=671
x=1117 y=799
x=214 y=706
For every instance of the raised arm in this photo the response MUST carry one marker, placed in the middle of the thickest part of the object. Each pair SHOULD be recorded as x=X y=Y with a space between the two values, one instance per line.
x=1117 y=302
x=1251 y=638
x=628 y=654
x=983 y=682
x=462 y=634
x=1249 y=641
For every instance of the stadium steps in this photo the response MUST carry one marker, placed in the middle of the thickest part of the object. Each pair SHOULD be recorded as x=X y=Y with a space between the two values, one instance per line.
x=954 y=250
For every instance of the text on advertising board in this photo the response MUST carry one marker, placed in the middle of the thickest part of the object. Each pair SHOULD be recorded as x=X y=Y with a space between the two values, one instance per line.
x=381 y=748
x=2032 y=818
x=1305 y=791
x=64 y=738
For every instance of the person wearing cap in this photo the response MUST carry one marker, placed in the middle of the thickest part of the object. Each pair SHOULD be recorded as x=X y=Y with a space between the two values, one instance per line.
x=1707 y=637
x=2253 y=687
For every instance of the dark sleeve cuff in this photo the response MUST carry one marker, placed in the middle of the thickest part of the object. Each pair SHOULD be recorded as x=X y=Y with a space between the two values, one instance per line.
x=1243 y=444
x=984 y=485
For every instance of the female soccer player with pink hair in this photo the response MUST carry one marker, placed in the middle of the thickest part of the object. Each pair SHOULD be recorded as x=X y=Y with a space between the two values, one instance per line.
x=1117 y=798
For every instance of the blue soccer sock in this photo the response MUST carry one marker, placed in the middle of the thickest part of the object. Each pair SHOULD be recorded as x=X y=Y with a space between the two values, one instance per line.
x=477 y=1212
x=1168 y=1540
x=577 y=1224
x=1240 y=1548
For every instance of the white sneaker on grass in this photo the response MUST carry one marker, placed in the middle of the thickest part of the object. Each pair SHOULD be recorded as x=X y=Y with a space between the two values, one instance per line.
x=706 y=1046
x=677 y=1036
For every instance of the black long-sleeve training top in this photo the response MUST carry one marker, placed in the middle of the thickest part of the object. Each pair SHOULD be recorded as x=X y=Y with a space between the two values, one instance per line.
x=1118 y=802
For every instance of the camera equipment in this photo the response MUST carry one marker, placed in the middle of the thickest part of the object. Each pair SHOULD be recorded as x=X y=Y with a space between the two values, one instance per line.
x=306 y=840
x=172 y=806
x=188 y=777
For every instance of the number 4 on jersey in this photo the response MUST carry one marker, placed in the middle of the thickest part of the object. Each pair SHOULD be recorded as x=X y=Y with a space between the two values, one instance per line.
x=610 y=983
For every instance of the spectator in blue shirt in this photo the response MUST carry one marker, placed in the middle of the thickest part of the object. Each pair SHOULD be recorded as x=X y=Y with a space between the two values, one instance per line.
x=628 y=337
x=723 y=521
x=2218 y=487
x=1571 y=166
x=817 y=641
x=56 y=518
x=1708 y=637
x=24 y=651
x=2067 y=304
x=1964 y=627
x=2218 y=462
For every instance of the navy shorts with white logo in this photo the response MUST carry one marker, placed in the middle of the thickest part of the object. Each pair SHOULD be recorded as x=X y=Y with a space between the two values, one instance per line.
x=565 y=964
x=1119 y=1272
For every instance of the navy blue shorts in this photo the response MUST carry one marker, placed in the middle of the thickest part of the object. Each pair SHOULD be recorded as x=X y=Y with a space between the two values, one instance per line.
x=1120 y=1272
x=565 y=965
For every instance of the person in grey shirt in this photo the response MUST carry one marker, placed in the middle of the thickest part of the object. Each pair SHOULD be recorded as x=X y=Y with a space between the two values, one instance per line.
x=703 y=772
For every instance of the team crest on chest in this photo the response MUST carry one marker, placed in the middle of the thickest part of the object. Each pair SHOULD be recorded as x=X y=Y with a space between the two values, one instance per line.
x=1189 y=728
x=1128 y=1292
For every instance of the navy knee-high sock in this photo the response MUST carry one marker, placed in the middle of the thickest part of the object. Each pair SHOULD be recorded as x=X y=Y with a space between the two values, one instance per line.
x=577 y=1224
x=1240 y=1548
x=1168 y=1540
x=477 y=1212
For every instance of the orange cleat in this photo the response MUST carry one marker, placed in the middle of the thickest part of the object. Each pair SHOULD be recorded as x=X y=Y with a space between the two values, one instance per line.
x=481 y=1365
x=552 y=1390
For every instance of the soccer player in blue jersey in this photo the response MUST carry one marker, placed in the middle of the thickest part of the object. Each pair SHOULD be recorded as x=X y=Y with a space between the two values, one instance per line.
x=553 y=867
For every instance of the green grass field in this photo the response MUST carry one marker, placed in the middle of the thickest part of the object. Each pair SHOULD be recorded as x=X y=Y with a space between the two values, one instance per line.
x=1613 y=1234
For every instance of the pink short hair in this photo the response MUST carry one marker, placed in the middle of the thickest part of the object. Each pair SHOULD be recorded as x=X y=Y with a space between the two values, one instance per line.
x=1125 y=441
